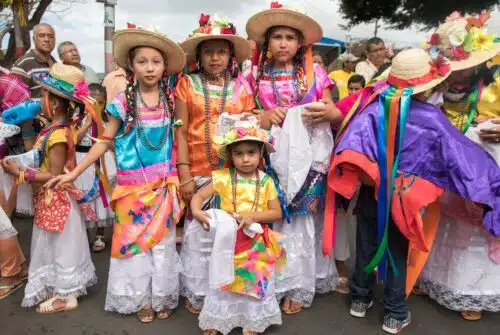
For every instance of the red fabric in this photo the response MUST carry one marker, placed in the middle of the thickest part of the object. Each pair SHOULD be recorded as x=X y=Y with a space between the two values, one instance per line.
x=13 y=91
x=438 y=68
x=244 y=242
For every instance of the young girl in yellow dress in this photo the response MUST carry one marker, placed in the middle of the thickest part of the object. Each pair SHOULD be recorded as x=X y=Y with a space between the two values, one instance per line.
x=246 y=255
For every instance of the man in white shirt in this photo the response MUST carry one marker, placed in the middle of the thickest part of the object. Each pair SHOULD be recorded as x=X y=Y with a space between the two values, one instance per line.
x=376 y=53
x=69 y=55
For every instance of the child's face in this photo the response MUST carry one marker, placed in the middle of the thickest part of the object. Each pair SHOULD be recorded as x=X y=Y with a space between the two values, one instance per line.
x=148 y=66
x=100 y=98
x=215 y=56
x=354 y=88
x=245 y=157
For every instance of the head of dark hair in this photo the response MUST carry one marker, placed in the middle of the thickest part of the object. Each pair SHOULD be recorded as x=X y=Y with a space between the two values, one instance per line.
x=357 y=79
x=232 y=67
x=97 y=87
x=373 y=41
x=231 y=146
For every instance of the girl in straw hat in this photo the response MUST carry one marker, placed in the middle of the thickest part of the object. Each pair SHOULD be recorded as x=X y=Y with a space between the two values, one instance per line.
x=286 y=77
x=244 y=295
x=144 y=267
x=61 y=268
x=215 y=86
x=403 y=144
x=461 y=241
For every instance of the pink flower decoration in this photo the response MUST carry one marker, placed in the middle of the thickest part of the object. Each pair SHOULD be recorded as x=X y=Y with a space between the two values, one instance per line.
x=453 y=16
x=241 y=132
x=459 y=53
x=81 y=89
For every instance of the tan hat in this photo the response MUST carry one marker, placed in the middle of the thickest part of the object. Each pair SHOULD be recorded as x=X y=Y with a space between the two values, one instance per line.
x=127 y=39
x=216 y=27
x=414 y=68
x=66 y=81
x=348 y=58
x=465 y=41
x=279 y=15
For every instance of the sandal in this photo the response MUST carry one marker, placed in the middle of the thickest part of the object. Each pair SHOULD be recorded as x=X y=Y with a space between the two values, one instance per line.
x=146 y=315
x=291 y=307
x=249 y=332
x=471 y=315
x=99 y=244
x=7 y=290
x=191 y=308
x=210 y=332
x=343 y=286
x=47 y=307
x=165 y=314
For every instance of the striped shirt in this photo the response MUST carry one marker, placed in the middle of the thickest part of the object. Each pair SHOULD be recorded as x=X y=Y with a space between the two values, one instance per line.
x=26 y=65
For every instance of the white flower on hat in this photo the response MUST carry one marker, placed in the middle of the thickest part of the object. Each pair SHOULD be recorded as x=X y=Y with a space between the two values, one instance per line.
x=219 y=20
x=458 y=38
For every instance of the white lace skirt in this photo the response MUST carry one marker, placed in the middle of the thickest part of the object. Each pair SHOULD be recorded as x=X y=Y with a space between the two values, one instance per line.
x=60 y=263
x=6 y=228
x=85 y=182
x=326 y=271
x=459 y=274
x=299 y=279
x=224 y=311
x=149 y=279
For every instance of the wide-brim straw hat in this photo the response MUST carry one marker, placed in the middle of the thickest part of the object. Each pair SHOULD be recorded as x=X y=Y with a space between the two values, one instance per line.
x=456 y=27
x=260 y=23
x=65 y=81
x=128 y=39
x=414 y=68
x=241 y=46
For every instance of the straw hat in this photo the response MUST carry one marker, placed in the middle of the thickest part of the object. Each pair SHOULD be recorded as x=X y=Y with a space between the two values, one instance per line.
x=279 y=15
x=65 y=81
x=215 y=27
x=232 y=129
x=465 y=41
x=127 y=39
x=414 y=68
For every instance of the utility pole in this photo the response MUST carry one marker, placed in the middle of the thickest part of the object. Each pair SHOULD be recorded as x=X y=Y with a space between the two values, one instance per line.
x=376 y=27
x=109 y=31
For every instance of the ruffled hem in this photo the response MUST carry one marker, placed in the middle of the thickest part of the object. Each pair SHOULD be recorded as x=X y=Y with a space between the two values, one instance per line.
x=42 y=292
x=304 y=297
x=326 y=285
x=457 y=302
x=195 y=300
x=226 y=324
x=125 y=304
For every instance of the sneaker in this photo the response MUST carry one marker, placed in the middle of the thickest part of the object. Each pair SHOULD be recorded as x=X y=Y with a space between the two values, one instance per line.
x=393 y=326
x=359 y=308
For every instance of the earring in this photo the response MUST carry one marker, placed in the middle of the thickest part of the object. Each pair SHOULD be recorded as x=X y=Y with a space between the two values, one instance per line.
x=269 y=54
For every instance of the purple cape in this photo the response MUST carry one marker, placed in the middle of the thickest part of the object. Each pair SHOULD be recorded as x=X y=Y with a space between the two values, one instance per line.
x=436 y=151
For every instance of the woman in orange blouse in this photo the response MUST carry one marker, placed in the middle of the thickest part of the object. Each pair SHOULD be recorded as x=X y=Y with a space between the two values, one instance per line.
x=216 y=86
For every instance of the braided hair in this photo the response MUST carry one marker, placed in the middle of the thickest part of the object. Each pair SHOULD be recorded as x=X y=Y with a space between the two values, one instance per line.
x=232 y=67
x=297 y=60
x=132 y=89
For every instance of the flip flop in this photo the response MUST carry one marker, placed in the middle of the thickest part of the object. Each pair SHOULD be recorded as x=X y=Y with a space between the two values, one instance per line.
x=471 y=315
x=249 y=332
x=191 y=309
x=288 y=310
x=146 y=315
x=165 y=314
x=210 y=332
x=343 y=286
x=11 y=289
x=48 y=308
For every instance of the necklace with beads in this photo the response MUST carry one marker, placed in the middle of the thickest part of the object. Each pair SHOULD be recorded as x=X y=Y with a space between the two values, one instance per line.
x=220 y=110
x=166 y=117
x=234 y=183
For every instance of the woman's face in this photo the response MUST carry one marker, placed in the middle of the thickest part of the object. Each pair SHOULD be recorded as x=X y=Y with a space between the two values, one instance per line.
x=148 y=66
x=460 y=80
x=215 y=56
x=284 y=43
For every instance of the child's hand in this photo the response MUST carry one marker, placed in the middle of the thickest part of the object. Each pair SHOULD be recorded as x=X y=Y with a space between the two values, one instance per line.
x=10 y=167
x=244 y=221
x=203 y=218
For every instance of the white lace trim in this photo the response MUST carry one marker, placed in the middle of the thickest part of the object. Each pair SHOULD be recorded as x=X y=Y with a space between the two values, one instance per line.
x=133 y=304
x=304 y=297
x=326 y=285
x=225 y=325
x=195 y=300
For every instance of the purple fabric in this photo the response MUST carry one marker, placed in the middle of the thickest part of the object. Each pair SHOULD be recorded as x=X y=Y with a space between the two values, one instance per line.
x=436 y=151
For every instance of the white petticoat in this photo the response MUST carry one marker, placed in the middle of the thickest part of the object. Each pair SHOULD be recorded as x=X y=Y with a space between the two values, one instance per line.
x=459 y=274
x=6 y=228
x=149 y=279
x=60 y=263
x=85 y=182
x=326 y=271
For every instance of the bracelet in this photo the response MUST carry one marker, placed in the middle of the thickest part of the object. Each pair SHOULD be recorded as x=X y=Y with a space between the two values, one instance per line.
x=186 y=182
x=183 y=163
x=20 y=180
x=30 y=175
x=102 y=139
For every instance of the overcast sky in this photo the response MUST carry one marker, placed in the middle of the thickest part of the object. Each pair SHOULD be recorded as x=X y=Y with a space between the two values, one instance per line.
x=83 y=24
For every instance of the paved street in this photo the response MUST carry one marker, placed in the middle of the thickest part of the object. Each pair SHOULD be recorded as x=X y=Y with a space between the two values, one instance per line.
x=328 y=315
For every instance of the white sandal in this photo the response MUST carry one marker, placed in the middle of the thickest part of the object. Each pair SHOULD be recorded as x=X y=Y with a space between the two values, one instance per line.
x=48 y=308
x=99 y=244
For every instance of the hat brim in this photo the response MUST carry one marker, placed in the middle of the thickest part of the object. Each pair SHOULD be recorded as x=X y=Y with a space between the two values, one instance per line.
x=224 y=155
x=259 y=24
x=42 y=79
x=241 y=46
x=424 y=87
x=475 y=58
x=127 y=39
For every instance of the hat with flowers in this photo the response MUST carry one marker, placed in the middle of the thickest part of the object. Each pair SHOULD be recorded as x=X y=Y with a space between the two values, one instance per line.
x=232 y=129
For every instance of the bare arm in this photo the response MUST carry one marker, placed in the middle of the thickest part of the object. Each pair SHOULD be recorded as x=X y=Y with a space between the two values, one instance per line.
x=197 y=204
x=272 y=214
x=188 y=187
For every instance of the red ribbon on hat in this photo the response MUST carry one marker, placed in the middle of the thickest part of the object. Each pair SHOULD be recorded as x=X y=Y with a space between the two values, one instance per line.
x=438 y=68
x=275 y=5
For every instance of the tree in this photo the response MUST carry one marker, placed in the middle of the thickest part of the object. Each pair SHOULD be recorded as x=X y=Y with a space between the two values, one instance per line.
x=400 y=14
x=19 y=17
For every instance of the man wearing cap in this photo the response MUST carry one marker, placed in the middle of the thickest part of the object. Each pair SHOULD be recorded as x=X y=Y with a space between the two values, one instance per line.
x=341 y=77
x=69 y=55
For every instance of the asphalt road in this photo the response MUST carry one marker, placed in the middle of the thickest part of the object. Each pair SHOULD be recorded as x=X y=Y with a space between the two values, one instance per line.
x=328 y=315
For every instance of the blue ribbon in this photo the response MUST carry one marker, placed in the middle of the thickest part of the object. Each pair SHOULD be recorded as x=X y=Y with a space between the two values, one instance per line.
x=270 y=171
x=92 y=192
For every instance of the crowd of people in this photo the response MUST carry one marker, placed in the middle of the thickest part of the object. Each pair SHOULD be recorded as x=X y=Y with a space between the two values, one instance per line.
x=264 y=162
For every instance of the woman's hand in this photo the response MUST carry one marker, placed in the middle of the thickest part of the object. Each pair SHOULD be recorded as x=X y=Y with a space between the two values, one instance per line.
x=321 y=113
x=203 y=218
x=61 y=180
x=11 y=167
x=277 y=116
x=491 y=135
x=188 y=190
x=244 y=220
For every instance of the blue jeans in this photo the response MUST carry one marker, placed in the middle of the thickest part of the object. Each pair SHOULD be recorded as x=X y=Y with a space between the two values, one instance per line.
x=362 y=283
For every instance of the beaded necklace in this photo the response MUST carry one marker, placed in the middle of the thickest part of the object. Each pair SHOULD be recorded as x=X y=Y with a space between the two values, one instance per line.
x=166 y=116
x=220 y=110
x=276 y=94
x=234 y=181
